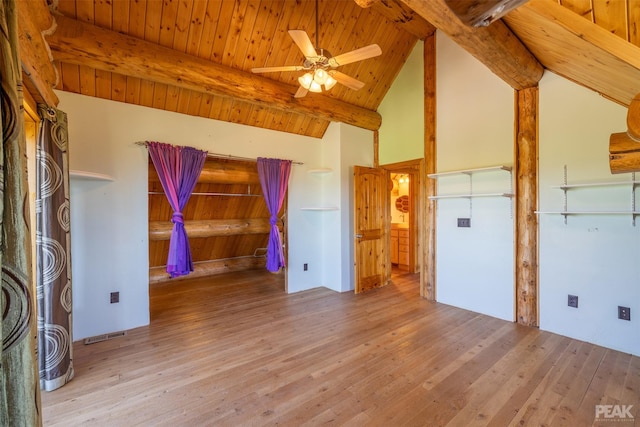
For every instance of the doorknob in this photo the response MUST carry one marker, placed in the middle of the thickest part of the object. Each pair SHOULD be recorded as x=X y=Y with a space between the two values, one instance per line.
x=358 y=236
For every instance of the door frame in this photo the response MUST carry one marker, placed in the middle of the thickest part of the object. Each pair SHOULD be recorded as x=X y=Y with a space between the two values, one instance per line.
x=415 y=170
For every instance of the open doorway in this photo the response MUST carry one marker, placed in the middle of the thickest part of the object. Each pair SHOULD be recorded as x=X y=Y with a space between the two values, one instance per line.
x=404 y=190
x=401 y=213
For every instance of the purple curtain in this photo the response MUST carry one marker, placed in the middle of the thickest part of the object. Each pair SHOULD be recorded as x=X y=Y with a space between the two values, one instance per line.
x=178 y=169
x=274 y=178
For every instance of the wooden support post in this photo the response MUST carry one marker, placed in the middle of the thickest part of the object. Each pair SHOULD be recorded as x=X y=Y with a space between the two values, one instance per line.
x=526 y=221
x=428 y=229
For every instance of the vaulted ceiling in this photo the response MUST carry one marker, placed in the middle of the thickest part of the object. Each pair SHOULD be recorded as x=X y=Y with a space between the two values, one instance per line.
x=195 y=56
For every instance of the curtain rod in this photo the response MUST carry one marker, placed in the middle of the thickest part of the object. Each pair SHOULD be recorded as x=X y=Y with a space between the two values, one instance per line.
x=223 y=156
x=155 y=193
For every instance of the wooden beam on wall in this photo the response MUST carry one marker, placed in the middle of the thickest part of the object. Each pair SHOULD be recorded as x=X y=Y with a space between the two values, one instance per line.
x=495 y=46
x=34 y=19
x=220 y=171
x=624 y=147
x=526 y=221
x=428 y=229
x=161 y=230
x=208 y=268
x=76 y=42
x=624 y=153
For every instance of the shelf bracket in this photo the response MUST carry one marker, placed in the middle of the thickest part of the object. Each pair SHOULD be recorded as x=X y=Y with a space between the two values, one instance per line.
x=564 y=194
x=633 y=198
x=470 y=175
x=510 y=170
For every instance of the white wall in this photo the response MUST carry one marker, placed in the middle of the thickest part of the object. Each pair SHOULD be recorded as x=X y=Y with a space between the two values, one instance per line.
x=474 y=130
x=402 y=111
x=110 y=219
x=593 y=256
x=357 y=149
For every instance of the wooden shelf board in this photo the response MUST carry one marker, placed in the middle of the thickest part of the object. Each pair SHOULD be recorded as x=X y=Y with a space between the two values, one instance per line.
x=469 y=171
x=589 y=212
x=93 y=176
x=470 y=196
x=320 y=171
x=596 y=184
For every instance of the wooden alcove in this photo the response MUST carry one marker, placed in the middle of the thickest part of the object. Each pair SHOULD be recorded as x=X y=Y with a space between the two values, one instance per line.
x=226 y=218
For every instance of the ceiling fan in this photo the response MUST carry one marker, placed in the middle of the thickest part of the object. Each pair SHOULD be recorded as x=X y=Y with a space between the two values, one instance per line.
x=320 y=66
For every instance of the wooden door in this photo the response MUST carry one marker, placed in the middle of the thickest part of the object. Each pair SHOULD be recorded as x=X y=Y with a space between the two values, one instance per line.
x=372 y=261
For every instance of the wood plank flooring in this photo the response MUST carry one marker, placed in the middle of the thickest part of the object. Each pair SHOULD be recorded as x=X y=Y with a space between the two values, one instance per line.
x=235 y=350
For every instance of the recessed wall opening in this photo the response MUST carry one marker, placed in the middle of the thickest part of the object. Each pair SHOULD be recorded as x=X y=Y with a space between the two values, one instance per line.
x=227 y=221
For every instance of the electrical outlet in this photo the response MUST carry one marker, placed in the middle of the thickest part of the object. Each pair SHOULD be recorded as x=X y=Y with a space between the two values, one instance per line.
x=624 y=313
x=305 y=267
x=572 y=301
x=464 y=222
x=115 y=297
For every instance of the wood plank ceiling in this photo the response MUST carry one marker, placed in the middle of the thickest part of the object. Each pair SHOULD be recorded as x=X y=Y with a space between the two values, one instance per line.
x=240 y=34
x=570 y=37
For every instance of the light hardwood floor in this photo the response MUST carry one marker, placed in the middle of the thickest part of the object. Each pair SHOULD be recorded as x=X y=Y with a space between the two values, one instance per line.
x=235 y=350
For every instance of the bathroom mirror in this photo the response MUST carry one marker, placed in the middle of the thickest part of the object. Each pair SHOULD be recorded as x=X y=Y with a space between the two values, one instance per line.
x=402 y=204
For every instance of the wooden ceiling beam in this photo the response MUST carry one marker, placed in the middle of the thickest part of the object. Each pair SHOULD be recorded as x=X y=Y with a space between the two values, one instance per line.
x=495 y=46
x=577 y=49
x=34 y=19
x=402 y=16
x=80 y=43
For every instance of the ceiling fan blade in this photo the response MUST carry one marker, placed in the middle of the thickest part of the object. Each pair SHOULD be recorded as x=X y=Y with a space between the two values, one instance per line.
x=346 y=80
x=301 y=93
x=303 y=41
x=277 y=69
x=356 y=55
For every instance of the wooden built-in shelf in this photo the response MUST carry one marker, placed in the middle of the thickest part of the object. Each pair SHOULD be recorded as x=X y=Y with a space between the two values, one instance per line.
x=90 y=176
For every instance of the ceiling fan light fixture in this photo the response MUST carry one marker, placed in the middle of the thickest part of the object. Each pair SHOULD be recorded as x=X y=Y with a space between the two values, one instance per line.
x=331 y=82
x=320 y=76
x=305 y=80
x=313 y=82
x=315 y=87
